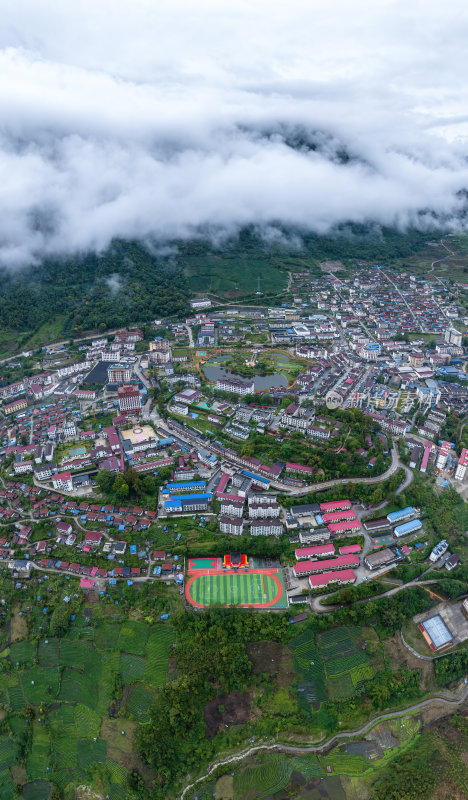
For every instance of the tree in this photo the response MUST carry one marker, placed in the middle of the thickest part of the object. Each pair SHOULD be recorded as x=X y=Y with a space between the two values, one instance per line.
x=105 y=480
x=121 y=487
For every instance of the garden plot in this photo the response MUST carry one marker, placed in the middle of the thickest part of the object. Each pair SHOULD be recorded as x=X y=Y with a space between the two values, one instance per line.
x=48 y=653
x=38 y=790
x=132 y=668
x=78 y=654
x=23 y=653
x=78 y=687
x=107 y=635
x=91 y=752
x=76 y=678
x=133 y=637
x=16 y=699
x=335 y=667
x=139 y=702
x=157 y=651
x=8 y=752
x=39 y=755
x=40 y=684
x=308 y=665
x=79 y=720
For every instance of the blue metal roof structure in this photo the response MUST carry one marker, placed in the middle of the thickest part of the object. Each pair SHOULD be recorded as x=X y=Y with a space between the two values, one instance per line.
x=188 y=485
x=408 y=527
x=254 y=477
x=394 y=516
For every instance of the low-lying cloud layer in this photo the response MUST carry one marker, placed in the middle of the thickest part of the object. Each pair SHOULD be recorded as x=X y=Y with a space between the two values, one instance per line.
x=133 y=118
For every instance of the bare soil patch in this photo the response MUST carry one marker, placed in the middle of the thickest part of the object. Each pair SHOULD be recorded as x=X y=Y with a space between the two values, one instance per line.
x=331 y=266
x=226 y=709
x=272 y=659
x=398 y=654
x=18 y=626
x=225 y=788
x=434 y=713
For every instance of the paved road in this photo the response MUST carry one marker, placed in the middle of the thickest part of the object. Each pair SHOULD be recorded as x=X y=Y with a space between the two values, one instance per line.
x=190 y=335
x=321 y=609
x=325 y=746
x=416 y=320
x=294 y=491
x=138 y=371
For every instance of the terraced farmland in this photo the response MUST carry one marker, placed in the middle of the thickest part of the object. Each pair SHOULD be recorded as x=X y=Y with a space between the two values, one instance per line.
x=77 y=677
x=271 y=773
x=329 y=665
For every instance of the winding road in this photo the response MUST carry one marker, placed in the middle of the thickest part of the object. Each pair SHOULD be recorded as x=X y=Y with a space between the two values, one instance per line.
x=321 y=748
x=322 y=609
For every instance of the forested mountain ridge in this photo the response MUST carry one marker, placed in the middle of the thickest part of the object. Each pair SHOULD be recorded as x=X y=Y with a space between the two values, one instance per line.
x=126 y=284
x=131 y=282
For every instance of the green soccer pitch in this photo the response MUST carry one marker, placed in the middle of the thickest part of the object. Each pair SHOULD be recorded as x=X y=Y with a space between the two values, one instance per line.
x=236 y=589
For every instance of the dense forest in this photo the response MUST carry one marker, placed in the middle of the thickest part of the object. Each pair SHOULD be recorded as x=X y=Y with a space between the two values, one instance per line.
x=126 y=284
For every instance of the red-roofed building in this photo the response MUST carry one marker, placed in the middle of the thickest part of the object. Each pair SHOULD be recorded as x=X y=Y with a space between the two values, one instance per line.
x=93 y=538
x=63 y=481
x=300 y=468
x=338 y=516
x=335 y=505
x=326 y=578
x=349 y=548
x=344 y=527
x=303 y=568
x=316 y=551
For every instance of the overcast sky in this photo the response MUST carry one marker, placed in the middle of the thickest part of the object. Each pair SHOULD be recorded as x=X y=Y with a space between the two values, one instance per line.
x=163 y=118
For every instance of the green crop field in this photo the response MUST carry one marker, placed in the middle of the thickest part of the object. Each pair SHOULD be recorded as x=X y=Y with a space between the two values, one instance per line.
x=236 y=589
x=72 y=683
x=48 y=653
x=78 y=654
x=40 y=752
x=132 y=668
x=40 y=684
x=309 y=667
x=23 y=653
x=332 y=667
x=272 y=774
x=133 y=636
x=157 y=651
x=8 y=752
x=139 y=702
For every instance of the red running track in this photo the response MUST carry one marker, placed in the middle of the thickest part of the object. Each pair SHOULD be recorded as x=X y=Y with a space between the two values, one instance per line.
x=272 y=572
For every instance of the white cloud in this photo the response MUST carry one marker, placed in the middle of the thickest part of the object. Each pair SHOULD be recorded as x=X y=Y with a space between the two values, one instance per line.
x=139 y=119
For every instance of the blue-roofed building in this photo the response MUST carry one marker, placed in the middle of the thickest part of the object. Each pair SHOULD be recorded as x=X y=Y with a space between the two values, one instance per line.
x=408 y=527
x=188 y=503
x=256 y=478
x=190 y=486
x=399 y=516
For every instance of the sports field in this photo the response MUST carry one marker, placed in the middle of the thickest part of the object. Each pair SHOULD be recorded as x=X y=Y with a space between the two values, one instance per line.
x=257 y=588
x=202 y=563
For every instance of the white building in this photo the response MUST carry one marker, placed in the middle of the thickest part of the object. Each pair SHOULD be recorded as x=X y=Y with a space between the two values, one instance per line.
x=129 y=398
x=235 y=386
x=452 y=336
x=443 y=455
x=233 y=525
x=232 y=508
x=62 y=481
x=266 y=527
x=261 y=510
x=462 y=465
x=203 y=302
